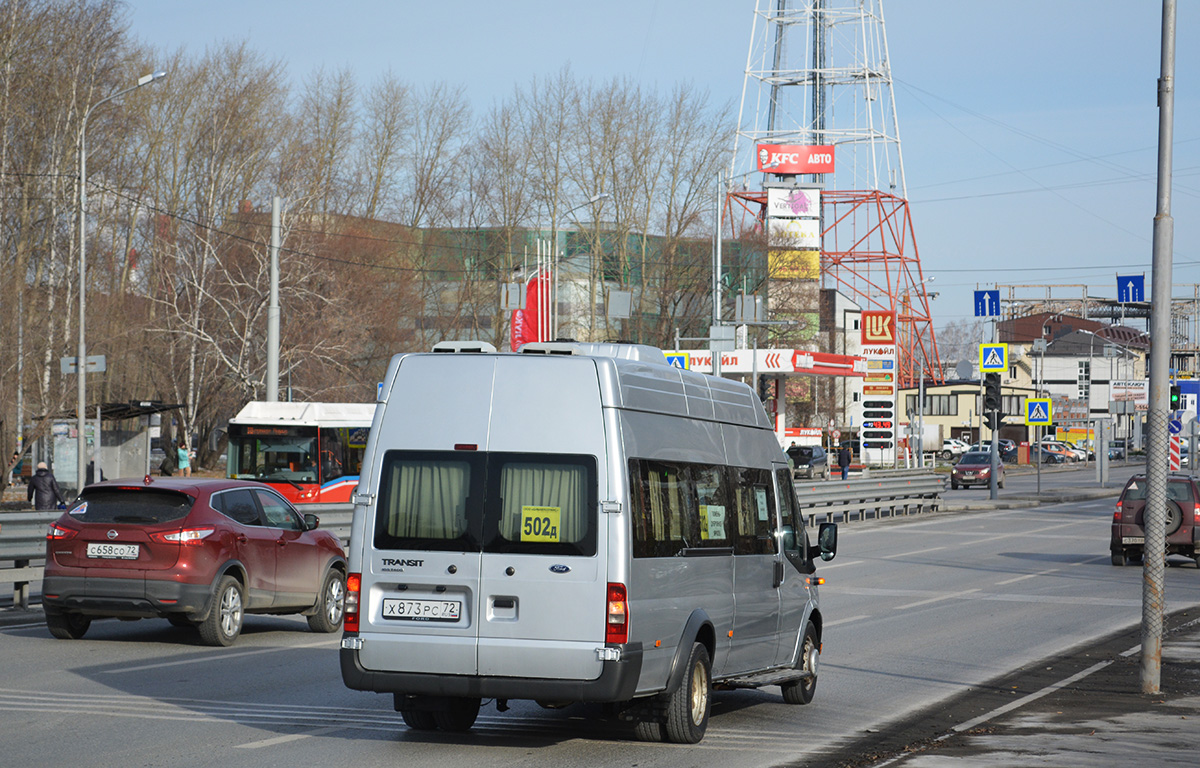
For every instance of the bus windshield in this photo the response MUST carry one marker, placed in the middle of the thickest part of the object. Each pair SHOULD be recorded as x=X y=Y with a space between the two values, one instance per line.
x=273 y=454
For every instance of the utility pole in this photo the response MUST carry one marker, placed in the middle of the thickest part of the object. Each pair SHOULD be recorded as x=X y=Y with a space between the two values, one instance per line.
x=1154 y=559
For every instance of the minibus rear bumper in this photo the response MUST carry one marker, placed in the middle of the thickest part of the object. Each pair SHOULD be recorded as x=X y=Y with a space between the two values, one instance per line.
x=617 y=681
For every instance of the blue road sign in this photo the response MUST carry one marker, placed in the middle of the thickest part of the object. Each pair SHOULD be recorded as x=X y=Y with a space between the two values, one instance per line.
x=987 y=303
x=993 y=358
x=1038 y=410
x=678 y=360
x=1175 y=426
x=1130 y=288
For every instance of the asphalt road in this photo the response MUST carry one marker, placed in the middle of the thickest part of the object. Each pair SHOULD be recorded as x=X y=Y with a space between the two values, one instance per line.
x=918 y=610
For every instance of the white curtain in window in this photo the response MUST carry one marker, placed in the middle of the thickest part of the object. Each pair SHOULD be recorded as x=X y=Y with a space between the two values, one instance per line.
x=559 y=486
x=428 y=500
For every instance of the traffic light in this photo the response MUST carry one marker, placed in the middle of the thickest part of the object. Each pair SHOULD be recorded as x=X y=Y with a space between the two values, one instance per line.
x=991 y=393
x=1175 y=398
x=764 y=389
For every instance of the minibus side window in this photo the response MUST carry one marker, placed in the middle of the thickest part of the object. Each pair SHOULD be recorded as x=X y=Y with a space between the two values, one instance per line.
x=754 y=505
x=795 y=540
x=718 y=527
x=542 y=504
x=664 y=520
x=427 y=501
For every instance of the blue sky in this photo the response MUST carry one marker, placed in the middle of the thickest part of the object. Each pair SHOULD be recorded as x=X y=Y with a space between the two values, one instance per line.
x=1029 y=128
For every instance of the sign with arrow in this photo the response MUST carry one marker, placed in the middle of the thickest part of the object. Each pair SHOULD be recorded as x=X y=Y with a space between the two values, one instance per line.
x=1130 y=289
x=987 y=303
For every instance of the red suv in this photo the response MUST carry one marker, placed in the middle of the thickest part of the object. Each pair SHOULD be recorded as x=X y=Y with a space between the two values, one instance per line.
x=1183 y=520
x=199 y=552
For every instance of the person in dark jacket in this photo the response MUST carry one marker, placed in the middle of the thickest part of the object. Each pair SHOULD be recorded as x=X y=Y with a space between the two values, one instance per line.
x=43 y=489
x=844 y=461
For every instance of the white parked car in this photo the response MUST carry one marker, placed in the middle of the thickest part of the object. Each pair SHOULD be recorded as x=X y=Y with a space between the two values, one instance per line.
x=952 y=447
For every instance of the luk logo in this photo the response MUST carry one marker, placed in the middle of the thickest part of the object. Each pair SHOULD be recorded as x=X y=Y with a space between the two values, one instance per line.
x=878 y=328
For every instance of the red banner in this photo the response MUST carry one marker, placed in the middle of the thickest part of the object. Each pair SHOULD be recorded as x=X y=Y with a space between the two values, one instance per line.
x=533 y=322
x=795 y=158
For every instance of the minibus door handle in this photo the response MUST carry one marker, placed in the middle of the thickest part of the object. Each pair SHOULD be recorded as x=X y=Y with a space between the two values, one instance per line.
x=778 y=573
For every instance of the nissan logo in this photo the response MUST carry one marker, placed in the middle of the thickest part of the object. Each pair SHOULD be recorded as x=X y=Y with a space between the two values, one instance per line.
x=112 y=534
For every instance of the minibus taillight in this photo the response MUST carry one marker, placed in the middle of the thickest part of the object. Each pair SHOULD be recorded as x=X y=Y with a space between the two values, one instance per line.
x=617 y=628
x=353 y=587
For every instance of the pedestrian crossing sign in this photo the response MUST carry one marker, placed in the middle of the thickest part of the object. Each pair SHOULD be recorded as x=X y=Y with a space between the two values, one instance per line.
x=993 y=358
x=678 y=360
x=1038 y=411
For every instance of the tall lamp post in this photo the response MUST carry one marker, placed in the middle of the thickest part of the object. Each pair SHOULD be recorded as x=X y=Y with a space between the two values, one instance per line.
x=81 y=354
x=554 y=255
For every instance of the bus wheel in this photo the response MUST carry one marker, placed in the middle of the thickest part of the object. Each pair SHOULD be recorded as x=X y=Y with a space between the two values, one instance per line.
x=688 y=705
x=801 y=691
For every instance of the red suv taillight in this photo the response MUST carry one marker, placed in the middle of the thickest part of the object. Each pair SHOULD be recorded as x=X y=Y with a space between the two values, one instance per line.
x=57 y=533
x=617 y=626
x=1196 y=515
x=353 y=589
x=190 y=536
x=1117 y=514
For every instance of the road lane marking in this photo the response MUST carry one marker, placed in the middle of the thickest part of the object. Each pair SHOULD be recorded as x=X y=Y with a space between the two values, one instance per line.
x=839 y=564
x=846 y=620
x=285 y=739
x=951 y=596
x=207 y=658
x=910 y=554
x=1049 y=571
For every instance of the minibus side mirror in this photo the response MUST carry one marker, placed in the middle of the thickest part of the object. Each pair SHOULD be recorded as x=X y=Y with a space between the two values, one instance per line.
x=827 y=540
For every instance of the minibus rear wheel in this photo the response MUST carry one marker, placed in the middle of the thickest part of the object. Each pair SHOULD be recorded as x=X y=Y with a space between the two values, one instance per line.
x=688 y=705
x=419 y=719
x=459 y=717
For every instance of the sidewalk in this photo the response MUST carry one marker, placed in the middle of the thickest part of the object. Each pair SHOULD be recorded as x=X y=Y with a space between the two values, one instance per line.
x=1085 y=709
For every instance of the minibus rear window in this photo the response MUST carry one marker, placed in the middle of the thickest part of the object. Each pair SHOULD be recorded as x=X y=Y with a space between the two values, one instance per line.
x=545 y=504
x=428 y=501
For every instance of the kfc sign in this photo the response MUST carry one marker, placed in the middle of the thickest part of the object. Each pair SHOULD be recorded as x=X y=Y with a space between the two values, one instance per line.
x=795 y=158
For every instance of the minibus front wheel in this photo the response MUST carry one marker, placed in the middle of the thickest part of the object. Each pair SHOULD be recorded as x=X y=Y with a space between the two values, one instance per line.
x=801 y=691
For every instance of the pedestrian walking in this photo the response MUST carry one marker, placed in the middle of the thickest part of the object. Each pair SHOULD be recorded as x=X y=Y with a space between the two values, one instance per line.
x=184 y=461
x=844 y=461
x=43 y=489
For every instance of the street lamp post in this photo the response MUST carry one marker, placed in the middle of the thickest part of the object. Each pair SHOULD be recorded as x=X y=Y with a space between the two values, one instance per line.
x=81 y=354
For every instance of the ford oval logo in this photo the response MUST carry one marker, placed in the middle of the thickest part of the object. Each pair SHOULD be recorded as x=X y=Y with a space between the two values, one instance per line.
x=112 y=534
x=560 y=569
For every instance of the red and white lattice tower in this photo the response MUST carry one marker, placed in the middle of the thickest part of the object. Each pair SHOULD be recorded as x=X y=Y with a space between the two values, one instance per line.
x=818 y=74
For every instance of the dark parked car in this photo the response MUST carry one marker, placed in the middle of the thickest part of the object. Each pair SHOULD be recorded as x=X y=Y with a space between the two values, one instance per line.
x=809 y=461
x=975 y=468
x=198 y=552
x=1183 y=511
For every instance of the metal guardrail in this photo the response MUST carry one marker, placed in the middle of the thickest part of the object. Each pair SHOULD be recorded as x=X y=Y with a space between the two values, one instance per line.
x=23 y=542
x=881 y=494
x=887 y=493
